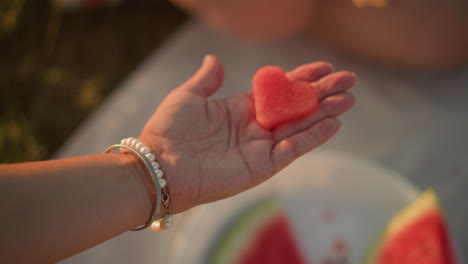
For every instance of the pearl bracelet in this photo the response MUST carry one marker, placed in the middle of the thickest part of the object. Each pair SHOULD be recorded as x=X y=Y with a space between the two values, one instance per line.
x=156 y=222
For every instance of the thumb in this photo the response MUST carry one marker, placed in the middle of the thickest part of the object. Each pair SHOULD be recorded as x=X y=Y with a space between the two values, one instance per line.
x=207 y=80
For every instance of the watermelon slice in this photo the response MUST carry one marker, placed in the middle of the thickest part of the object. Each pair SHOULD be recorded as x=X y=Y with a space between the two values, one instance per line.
x=416 y=235
x=278 y=100
x=261 y=234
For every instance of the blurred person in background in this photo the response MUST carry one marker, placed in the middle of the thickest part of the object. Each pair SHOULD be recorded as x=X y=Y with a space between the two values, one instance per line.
x=415 y=34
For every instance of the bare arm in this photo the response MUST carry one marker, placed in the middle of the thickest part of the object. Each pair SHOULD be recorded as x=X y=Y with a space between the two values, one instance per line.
x=54 y=209
x=208 y=149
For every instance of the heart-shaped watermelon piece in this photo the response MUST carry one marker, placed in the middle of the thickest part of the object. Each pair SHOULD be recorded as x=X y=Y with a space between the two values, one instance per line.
x=279 y=100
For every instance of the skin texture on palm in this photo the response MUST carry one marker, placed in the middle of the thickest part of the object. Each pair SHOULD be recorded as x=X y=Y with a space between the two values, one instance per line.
x=213 y=149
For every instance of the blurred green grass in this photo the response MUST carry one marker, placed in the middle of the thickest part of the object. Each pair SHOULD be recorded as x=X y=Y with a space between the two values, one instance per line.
x=57 y=66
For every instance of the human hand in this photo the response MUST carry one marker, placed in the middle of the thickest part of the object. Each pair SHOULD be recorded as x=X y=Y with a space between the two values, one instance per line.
x=213 y=149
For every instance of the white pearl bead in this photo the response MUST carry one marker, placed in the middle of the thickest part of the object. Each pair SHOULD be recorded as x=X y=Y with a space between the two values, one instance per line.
x=168 y=218
x=122 y=142
x=162 y=183
x=132 y=142
x=145 y=150
x=155 y=165
x=165 y=225
x=136 y=143
x=156 y=226
x=150 y=156
x=139 y=145
x=159 y=173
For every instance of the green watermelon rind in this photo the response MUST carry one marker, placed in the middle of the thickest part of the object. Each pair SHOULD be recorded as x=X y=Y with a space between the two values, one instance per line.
x=234 y=241
x=427 y=201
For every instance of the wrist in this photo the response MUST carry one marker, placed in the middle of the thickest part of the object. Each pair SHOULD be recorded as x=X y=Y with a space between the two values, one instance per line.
x=170 y=163
x=159 y=220
x=142 y=178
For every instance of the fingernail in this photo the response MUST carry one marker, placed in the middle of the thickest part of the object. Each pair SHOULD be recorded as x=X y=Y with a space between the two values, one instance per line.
x=355 y=76
x=207 y=56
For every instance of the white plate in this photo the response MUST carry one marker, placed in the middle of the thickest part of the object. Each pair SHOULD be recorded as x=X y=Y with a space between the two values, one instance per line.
x=329 y=197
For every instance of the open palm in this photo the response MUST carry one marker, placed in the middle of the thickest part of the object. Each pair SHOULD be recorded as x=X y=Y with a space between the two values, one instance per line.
x=213 y=149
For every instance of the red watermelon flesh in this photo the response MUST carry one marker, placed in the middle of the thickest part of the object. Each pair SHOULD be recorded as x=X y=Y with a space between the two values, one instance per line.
x=424 y=241
x=274 y=244
x=278 y=100
x=260 y=234
x=417 y=235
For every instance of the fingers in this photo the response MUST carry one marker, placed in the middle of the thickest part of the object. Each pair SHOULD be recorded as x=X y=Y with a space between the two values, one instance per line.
x=320 y=74
x=331 y=106
x=335 y=83
x=288 y=149
x=207 y=80
x=310 y=72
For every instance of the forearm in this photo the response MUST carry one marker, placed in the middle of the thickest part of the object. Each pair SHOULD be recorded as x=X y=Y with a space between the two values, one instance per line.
x=54 y=209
